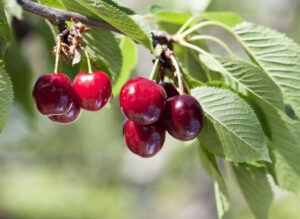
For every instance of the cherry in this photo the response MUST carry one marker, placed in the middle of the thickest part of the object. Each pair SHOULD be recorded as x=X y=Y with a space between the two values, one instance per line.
x=53 y=94
x=67 y=117
x=142 y=100
x=170 y=89
x=92 y=90
x=144 y=140
x=183 y=117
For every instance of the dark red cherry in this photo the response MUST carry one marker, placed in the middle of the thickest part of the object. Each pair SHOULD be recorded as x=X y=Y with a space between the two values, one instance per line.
x=170 y=89
x=92 y=90
x=142 y=100
x=183 y=117
x=67 y=117
x=53 y=94
x=144 y=140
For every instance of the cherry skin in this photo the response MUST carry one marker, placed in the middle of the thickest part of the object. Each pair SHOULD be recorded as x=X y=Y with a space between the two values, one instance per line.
x=53 y=94
x=92 y=90
x=144 y=140
x=170 y=89
x=67 y=117
x=142 y=100
x=183 y=117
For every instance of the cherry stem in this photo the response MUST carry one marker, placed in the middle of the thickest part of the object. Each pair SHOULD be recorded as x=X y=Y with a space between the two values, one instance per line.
x=189 y=21
x=88 y=61
x=58 y=44
x=178 y=74
x=220 y=42
x=153 y=75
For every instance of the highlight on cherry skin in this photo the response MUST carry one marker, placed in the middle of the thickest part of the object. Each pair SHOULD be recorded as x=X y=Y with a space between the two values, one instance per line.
x=92 y=90
x=183 y=117
x=69 y=117
x=53 y=94
x=142 y=100
x=144 y=140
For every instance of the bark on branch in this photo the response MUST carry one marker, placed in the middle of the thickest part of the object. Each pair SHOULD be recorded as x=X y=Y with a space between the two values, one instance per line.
x=56 y=16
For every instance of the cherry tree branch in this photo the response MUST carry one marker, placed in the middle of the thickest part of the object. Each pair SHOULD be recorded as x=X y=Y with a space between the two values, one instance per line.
x=56 y=16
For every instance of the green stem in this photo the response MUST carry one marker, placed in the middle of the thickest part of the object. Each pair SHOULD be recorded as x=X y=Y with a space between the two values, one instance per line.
x=186 y=24
x=179 y=75
x=220 y=42
x=153 y=75
x=57 y=55
x=88 y=61
x=201 y=51
x=205 y=24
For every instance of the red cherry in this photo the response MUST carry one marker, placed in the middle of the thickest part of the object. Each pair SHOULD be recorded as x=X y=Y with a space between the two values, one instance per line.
x=52 y=94
x=144 y=140
x=92 y=90
x=67 y=117
x=170 y=89
x=142 y=100
x=183 y=117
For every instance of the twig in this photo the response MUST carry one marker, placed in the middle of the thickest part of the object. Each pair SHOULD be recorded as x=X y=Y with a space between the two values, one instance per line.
x=55 y=16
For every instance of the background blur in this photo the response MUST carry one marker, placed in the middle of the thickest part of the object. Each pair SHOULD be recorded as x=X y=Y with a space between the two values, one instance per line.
x=84 y=170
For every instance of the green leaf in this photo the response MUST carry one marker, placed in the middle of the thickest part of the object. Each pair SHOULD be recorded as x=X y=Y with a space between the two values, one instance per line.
x=256 y=189
x=189 y=62
x=133 y=25
x=12 y=7
x=172 y=17
x=21 y=75
x=170 y=21
x=51 y=3
x=102 y=45
x=156 y=8
x=5 y=30
x=277 y=55
x=209 y=138
x=251 y=78
x=235 y=123
x=228 y=18
x=285 y=142
x=6 y=97
x=209 y=164
x=129 y=54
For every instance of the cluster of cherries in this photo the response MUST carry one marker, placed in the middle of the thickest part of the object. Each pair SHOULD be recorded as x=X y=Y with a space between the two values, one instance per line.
x=151 y=109
x=61 y=100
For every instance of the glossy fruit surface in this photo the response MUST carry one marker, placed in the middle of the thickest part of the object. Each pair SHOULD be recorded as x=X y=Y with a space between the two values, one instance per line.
x=67 y=117
x=53 y=94
x=144 y=140
x=92 y=90
x=142 y=100
x=170 y=89
x=183 y=117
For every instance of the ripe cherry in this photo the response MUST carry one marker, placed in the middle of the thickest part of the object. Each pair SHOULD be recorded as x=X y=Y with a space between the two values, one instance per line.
x=53 y=94
x=142 y=100
x=92 y=90
x=144 y=140
x=170 y=89
x=67 y=117
x=183 y=117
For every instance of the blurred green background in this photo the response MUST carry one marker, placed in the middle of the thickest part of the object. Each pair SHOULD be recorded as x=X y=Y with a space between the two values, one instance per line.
x=84 y=170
